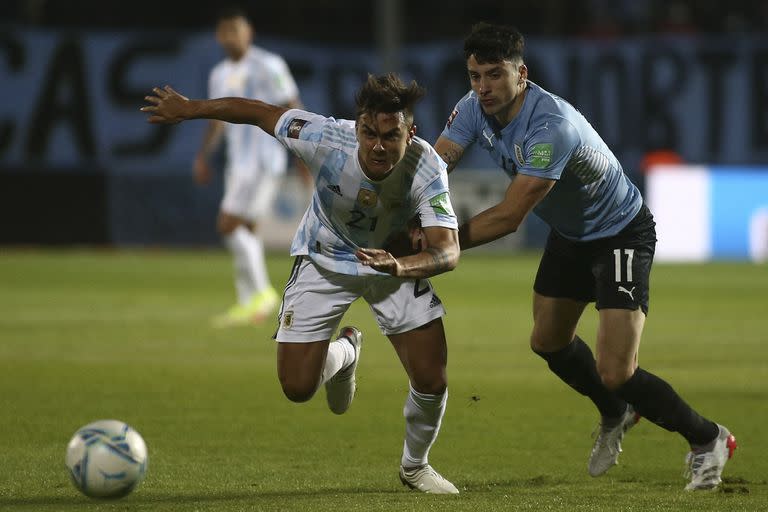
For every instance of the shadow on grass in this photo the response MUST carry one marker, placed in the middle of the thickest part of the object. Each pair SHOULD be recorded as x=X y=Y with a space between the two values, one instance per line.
x=141 y=498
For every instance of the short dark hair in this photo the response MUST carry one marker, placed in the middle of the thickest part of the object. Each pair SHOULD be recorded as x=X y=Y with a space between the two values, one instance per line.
x=388 y=94
x=229 y=12
x=493 y=43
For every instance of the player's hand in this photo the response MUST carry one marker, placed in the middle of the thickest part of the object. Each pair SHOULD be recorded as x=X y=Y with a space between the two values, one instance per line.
x=167 y=106
x=379 y=259
x=202 y=171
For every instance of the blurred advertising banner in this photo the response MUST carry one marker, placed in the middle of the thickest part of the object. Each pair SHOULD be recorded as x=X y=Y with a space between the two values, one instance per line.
x=709 y=213
x=72 y=98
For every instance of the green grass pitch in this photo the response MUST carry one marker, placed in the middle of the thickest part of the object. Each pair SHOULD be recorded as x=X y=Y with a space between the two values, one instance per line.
x=86 y=335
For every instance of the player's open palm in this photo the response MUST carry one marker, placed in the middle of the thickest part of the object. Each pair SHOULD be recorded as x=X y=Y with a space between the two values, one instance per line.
x=167 y=106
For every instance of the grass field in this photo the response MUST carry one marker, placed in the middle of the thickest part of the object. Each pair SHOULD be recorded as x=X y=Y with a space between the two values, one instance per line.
x=86 y=335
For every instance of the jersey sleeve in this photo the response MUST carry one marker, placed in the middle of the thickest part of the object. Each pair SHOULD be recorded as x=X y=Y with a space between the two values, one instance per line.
x=304 y=133
x=548 y=148
x=434 y=204
x=461 y=126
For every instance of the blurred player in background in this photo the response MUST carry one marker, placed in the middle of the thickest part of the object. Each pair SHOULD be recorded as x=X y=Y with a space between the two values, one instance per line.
x=600 y=247
x=372 y=176
x=255 y=165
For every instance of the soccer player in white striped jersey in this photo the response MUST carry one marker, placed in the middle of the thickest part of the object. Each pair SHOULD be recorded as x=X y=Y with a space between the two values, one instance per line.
x=600 y=247
x=372 y=176
x=255 y=162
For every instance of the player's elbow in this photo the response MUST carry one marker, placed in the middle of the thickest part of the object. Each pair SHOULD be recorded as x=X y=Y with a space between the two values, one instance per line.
x=451 y=257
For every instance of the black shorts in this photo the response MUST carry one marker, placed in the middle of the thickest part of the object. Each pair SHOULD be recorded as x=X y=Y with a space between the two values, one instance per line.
x=614 y=272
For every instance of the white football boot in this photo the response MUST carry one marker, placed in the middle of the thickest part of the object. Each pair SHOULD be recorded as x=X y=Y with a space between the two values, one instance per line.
x=605 y=452
x=340 y=389
x=426 y=480
x=706 y=463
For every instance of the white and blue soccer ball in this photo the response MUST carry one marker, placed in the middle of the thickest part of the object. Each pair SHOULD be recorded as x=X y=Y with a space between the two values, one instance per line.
x=107 y=459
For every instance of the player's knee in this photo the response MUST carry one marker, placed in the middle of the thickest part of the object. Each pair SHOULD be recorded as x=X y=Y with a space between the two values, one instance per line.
x=435 y=385
x=226 y=224
x=543 y=344
x=297 y=391
x=613 y=377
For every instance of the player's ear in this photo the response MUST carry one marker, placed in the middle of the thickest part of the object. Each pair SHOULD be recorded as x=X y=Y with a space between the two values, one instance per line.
x=411 y=133
x=523 y=69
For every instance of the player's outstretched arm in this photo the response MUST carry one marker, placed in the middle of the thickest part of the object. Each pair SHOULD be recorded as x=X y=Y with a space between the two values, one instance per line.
x=522 y=195
x=169 y=107
x=441 y=254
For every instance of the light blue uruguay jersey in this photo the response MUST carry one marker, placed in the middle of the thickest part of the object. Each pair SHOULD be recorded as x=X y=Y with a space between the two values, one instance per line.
x=349 y=210
x=550 y=139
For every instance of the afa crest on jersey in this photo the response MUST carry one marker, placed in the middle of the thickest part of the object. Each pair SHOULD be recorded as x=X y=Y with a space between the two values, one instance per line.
x=367 y=198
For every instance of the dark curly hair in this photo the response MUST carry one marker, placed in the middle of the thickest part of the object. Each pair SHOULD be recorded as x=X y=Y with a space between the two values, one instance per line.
x=493 y=43
x=388 y=94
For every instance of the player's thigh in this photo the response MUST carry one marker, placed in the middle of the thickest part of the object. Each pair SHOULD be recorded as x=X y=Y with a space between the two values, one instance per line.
x=618 y=343
x=423 y=353
x=564 y=285
x=554 y=322
x=299 y=366
x=314 y=301
x=400 y=305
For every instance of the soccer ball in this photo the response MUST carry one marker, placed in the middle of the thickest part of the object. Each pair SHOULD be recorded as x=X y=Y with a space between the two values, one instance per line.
x=106 y=459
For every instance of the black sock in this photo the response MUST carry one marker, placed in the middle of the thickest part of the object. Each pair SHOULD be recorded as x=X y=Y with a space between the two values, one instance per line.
x=655 y=400
x=575 y=365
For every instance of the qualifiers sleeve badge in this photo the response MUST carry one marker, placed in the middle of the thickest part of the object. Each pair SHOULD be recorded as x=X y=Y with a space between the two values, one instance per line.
x=541 y=155
x=451 y=118
x=295 y=126
x=442 y=205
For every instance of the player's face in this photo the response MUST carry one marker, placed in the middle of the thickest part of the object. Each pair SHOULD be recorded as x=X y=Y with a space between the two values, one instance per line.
x=234 y=35
x=498 y=86
x=383 y=139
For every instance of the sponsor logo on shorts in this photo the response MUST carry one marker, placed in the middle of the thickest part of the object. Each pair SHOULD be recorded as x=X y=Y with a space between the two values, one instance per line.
x=628 y=292
x=435 y=301
x=295 y=126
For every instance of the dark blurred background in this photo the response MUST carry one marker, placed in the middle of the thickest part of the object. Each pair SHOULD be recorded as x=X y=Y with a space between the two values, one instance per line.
x=354 y=22
x=676 y=80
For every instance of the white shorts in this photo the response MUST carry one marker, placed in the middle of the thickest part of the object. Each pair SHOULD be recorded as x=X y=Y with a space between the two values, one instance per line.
x=315 y=299
x=249 y=195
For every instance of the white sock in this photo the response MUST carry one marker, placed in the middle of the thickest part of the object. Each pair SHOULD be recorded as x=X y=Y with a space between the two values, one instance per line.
x=341 y=354
x=250 y=270
x=423 y=415
x=259 y=266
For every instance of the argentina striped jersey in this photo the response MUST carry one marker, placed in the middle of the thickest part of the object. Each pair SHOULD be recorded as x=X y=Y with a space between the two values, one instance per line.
x=349 y=210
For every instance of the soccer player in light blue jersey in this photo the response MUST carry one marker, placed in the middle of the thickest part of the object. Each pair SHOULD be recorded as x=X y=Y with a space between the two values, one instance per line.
x=255 y=162
x=372 y=176
x=600 y=247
